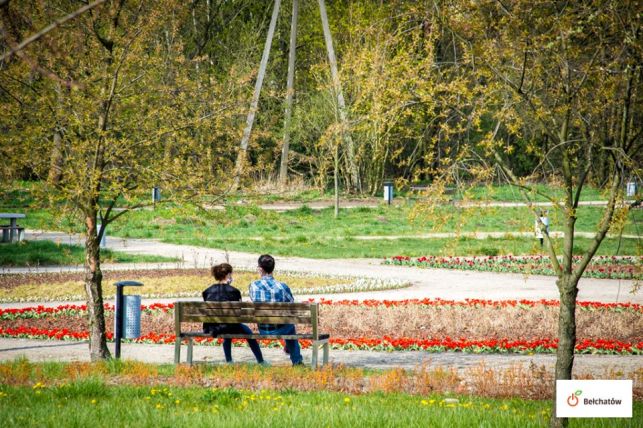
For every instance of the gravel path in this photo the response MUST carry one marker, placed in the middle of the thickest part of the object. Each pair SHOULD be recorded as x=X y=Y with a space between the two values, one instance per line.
x=376 y=202
x=426 y=283
x=429 y=283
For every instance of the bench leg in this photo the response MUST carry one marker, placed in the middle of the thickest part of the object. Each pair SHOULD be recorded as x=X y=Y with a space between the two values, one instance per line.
x=313 y=363
x=190 y=350
x=326 y=352
x=177 y=350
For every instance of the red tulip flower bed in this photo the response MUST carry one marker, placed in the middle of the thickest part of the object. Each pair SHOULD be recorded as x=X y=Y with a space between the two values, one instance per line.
x=486 y=326
x=604 y=267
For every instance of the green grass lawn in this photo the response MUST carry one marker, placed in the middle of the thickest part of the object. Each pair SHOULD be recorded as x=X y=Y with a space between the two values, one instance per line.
x=131 y=393
x=317 y=234
x=42 y=253
x=303 y=246
x=92 y=403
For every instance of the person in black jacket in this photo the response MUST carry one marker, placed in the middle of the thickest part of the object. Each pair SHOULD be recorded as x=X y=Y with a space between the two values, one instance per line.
x=222 y=291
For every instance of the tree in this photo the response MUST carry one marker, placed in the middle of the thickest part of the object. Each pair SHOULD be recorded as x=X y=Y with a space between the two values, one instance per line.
x=566 y=70
x=129 y=121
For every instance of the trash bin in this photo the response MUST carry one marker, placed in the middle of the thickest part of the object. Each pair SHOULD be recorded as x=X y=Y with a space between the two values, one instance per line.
x=127 y=315
x=388 y=191
x=631 y=188
x=131 y=317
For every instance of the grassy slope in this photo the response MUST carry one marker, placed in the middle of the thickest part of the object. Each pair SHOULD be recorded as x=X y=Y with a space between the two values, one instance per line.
x=309 y=233
x=42 y=253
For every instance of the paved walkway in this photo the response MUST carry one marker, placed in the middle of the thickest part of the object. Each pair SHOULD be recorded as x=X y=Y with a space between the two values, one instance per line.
x=431 y=283
x=597 y=365
x=426 y=283
x=376 y=202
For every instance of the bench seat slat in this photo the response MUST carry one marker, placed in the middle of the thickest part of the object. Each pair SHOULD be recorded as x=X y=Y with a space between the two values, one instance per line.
x=187 y=305
x=197 y=312
x=247 y=319
x=282 y=312
x=216 y=312
x=255 y=336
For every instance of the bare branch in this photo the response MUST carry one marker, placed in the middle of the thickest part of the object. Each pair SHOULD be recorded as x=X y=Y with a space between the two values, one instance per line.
x=26 y=42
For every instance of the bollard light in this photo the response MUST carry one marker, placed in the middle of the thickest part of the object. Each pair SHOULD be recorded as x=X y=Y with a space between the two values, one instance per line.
x=630 y=188
x=127 y=315
x=388 y=191
x=156 y=195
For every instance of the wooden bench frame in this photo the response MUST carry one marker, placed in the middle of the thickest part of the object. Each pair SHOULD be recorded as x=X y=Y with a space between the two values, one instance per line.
x=248 y=313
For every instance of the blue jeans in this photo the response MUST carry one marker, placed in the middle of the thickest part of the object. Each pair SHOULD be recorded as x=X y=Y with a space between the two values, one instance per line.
x=291 y=345
x=239 y=329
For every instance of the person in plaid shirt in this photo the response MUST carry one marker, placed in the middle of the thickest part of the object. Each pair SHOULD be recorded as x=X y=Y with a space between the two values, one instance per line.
x=268 y=289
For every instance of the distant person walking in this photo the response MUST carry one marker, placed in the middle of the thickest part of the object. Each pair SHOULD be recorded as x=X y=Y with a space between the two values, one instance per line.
x=222 y=291
x=268 y=289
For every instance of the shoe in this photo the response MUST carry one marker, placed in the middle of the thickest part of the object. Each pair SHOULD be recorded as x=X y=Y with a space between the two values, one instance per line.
x=300 y=363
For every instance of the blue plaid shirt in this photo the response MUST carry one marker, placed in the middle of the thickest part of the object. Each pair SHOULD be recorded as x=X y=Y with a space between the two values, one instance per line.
x=268 y=289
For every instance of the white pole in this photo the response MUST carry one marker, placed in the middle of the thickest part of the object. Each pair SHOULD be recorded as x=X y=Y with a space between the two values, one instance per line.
x=340 y=96
x=255 y=98
x=290 y=91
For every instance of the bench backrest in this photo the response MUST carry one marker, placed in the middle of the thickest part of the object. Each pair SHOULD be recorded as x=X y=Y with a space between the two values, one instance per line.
x=246 y=312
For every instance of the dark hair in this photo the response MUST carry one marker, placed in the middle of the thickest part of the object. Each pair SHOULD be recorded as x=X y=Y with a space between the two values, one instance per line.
x=267 y=263
x=219 y=272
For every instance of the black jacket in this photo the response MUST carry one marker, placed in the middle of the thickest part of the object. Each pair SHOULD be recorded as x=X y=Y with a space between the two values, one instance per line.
x=219 y=293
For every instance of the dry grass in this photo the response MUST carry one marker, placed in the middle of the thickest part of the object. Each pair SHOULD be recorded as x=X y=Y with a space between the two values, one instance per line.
x=527 y=382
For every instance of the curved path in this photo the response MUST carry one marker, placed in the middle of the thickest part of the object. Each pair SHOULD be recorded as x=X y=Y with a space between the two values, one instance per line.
x=431 y=283
x=426 y=283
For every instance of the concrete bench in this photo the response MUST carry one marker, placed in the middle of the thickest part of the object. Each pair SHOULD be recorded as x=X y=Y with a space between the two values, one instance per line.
x=12 y=232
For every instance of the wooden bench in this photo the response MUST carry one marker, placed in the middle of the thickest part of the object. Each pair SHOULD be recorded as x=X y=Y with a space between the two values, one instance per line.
x=248 y=313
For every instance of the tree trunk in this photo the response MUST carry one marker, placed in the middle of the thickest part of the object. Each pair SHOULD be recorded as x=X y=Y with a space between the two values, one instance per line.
x=290 y=90
x=57 y=151
x=568 y=288
x=56 y=162
x=93 y=287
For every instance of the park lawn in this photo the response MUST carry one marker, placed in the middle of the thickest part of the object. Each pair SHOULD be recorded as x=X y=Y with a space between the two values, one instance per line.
x=18 y=194
x=93 y=403
x=44 y=253
x=251 y=222
x=129 y=393
x=333 y=248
